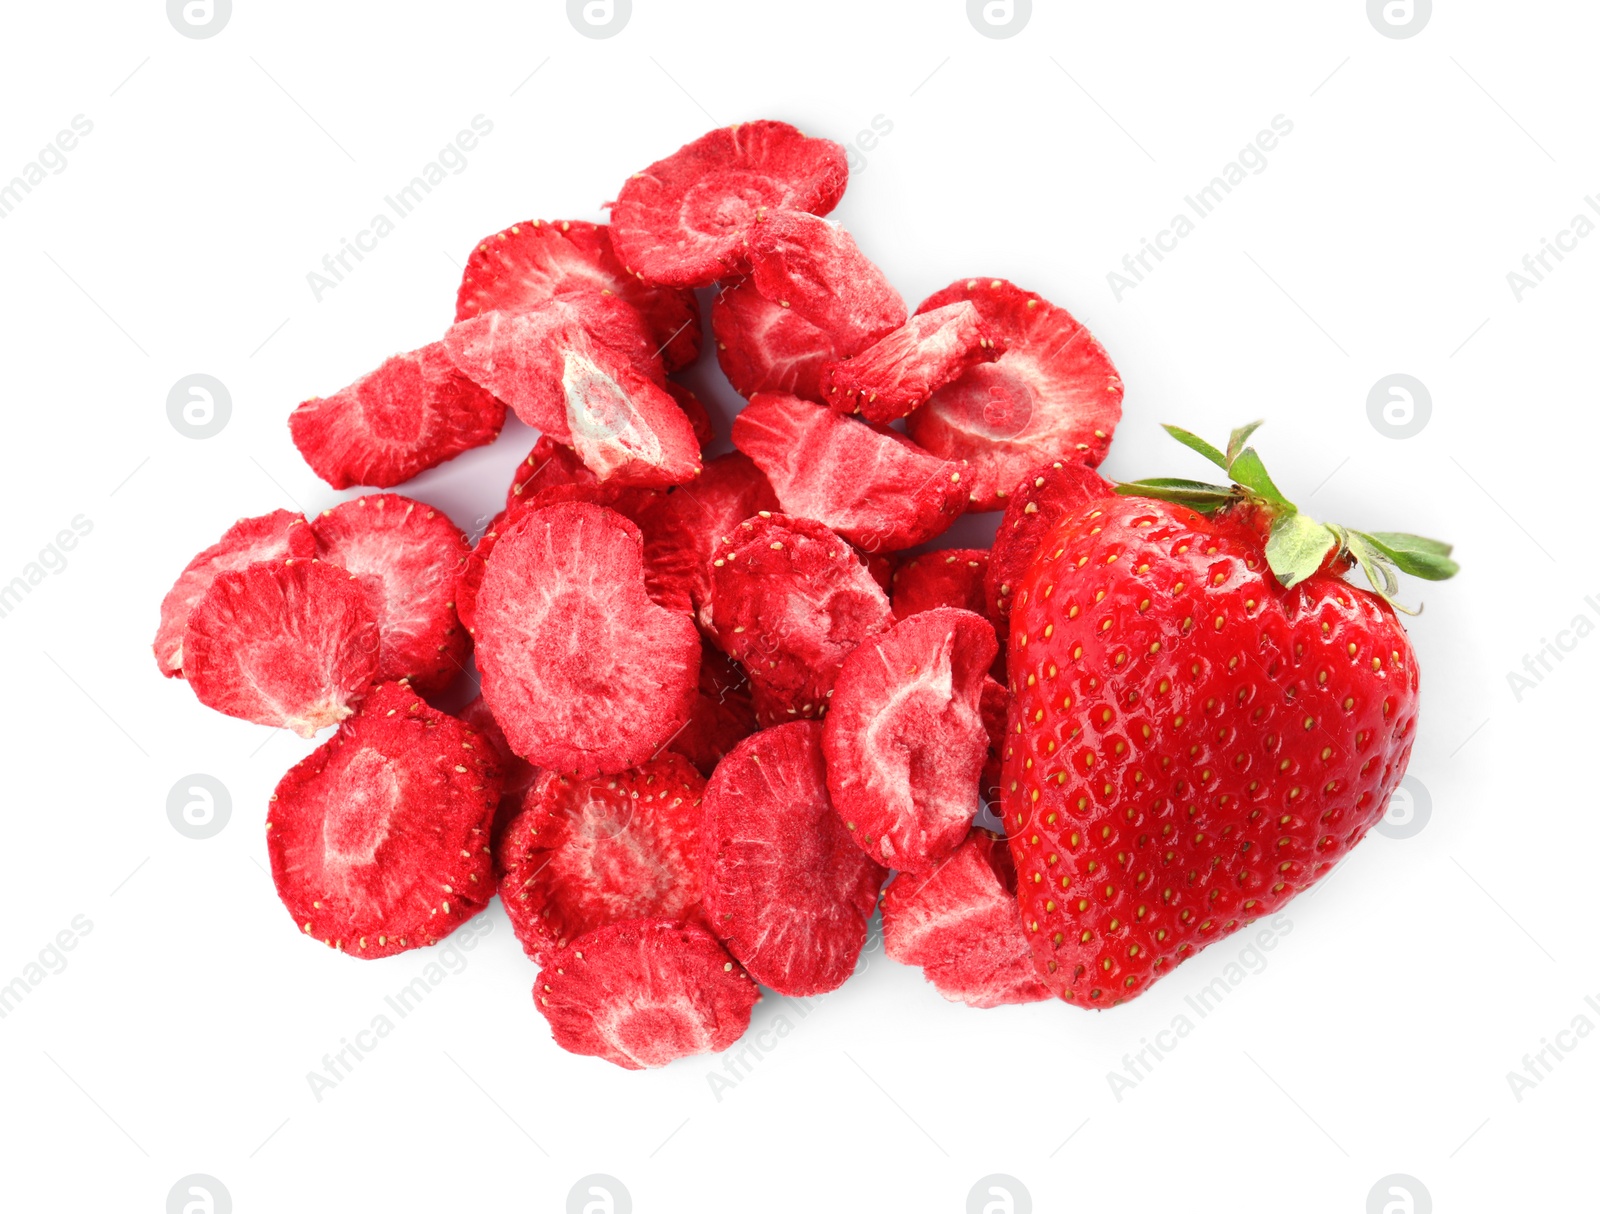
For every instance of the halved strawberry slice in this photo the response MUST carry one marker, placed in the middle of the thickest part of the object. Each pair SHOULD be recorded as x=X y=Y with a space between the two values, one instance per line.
x=521 y=268
x=412 y=413
x=379 y=839
x=960 y=923
x=789 y=601
x=279 y=536
x=682 y=221
x=874 y=487
x=905 y=737
x=1053 y=394
x=625 y=428
x=644 y=992
x=1033 y=508
x=553 y=473
x=785 y=885
x=763 y=346
x=814 y=267
x=901 y=370
x=292 y=644
x=406 y=555
x=945 y=577
x=584 y=853
x=584 y=673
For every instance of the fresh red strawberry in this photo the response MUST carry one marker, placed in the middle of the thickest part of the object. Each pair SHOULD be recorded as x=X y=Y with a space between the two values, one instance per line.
x=1205 y=718
x=412 y=413
x=586 y=853
x=407 y=555
x=814 y=267
x=873 y=486
x=644 y=992
x=379 y=839
x=1052 y=395
x=1041 y=500
x=763 y=346
x=279 y=536
x=905 y=738
x=293 y=644
x=521 y=268
x=945 y=577
x=683 y=220
x=959 y=923
x=786 y=887
x=901 y=370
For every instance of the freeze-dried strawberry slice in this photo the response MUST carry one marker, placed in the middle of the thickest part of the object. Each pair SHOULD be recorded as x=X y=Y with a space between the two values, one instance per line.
x=379 y=839
x=960 y=924
x=682 y=221
x=1033 y=508
x=681 y=531
x=522 y=356
x=626 y=428
x=905 y=737
x=583 y=854
x=945 y=577
x=765 y=347
x=469 y=578
x=901 y=370
x=723 y=713
x=1053 y=394
x=812 y=266
x=789 y=600
x=872 y=486
x=644 y=992
x=281 y=535
x=521 y=268
x=413 y=412
x=553 y=473
x=407 y=556
x=291 y=643
x=518 y=774
x=786 y=887
x=584 y=673
x=695 y=410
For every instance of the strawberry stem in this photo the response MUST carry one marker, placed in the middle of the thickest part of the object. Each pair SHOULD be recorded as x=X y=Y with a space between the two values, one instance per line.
x=1297 y=545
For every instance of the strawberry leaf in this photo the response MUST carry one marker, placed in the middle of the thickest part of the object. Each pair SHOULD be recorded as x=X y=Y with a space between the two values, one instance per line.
x=1248 y=470
x=1297 y=547
x=1197 y=444
x=1196 y=494
x=1414 y=554
x=1238 y=438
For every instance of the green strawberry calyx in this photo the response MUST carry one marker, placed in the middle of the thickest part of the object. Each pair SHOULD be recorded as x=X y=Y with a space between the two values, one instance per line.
x=1297 y=545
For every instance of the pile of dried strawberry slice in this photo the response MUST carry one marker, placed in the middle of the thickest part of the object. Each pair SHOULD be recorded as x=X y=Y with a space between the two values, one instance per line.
x=721 y=700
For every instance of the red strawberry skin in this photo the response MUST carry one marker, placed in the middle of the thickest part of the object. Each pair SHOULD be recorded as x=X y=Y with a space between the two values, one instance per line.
x=1189 y=744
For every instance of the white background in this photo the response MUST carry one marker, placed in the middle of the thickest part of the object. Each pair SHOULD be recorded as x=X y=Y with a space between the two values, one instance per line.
x=1378 y=1036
